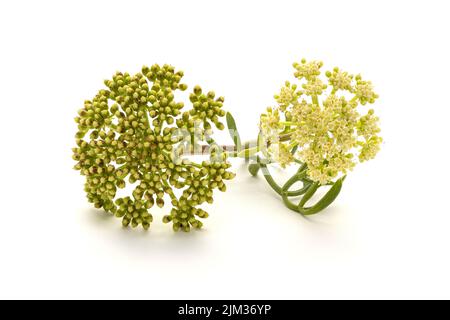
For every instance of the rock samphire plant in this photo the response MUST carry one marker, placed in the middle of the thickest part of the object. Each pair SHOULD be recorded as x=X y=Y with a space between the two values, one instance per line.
x=323 y=126
x=135 y=131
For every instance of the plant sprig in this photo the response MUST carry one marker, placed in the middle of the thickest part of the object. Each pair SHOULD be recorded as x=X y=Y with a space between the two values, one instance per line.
x=135 y=131
x=317 y=126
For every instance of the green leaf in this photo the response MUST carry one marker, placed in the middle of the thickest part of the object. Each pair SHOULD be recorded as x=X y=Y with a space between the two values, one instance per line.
x=232 y=129
x=326 y=200
x=323 y=203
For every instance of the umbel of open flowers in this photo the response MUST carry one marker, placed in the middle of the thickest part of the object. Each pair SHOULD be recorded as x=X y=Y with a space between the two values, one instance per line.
x=321 y=124
x=134 y=131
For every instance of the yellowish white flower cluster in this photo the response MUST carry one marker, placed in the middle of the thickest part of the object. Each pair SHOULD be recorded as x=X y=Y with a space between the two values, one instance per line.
x=307 y=70
x=281 y=154
x=340 y=80
x=322 y=122
x=288 y=95
x=270 y=124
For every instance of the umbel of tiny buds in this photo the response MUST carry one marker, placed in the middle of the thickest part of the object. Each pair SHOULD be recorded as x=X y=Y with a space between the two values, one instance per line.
x=321 y=125
x=134 y=131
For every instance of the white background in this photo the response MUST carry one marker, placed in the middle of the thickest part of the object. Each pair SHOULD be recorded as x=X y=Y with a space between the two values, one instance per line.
x=386 y=236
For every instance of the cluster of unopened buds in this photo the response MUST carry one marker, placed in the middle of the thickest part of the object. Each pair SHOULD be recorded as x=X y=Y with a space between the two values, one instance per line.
x=135 y=132
x=134 y=135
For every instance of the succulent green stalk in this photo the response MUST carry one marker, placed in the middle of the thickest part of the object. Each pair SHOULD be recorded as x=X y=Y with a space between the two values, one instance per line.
x=135 y=131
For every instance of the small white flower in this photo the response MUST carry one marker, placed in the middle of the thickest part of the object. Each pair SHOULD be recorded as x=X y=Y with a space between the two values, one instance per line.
x=314 y=87
x=364 y=91
x=340 y=80
x=270 y=125
x=288 y=95
x=307 y=70
x=281 y=154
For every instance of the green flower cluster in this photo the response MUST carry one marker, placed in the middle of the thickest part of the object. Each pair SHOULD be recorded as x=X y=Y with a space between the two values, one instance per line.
x=206 y=108
x=130 y=132
x=211 y=176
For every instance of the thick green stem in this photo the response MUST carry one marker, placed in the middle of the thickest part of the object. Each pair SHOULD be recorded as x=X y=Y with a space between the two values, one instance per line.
x=246 y=153
x=269 y=179
x=315 y=100
x=309 y=193
x=299 y=176
x=288 y=123
x=325 y=201
x=287 y=185
x=272 y=183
